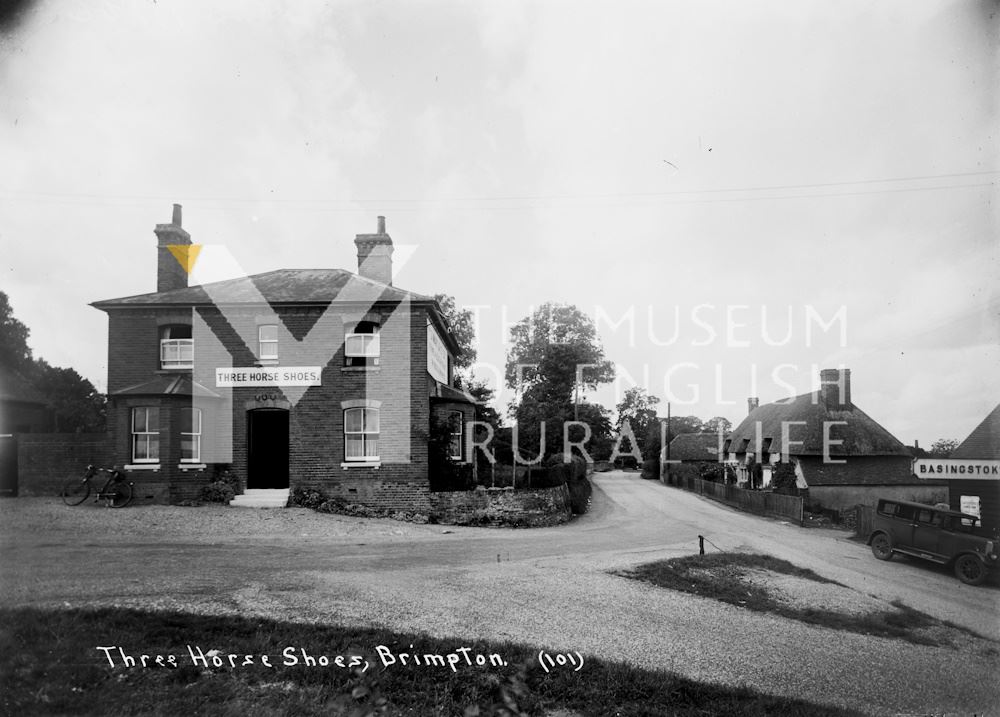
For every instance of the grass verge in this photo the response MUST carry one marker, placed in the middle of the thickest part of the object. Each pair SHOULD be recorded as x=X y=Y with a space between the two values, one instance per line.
x=723 y=576
x=51 y=665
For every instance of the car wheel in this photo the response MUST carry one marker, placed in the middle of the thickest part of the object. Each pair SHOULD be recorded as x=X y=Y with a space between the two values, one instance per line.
x=882 y=547
x=969 y=570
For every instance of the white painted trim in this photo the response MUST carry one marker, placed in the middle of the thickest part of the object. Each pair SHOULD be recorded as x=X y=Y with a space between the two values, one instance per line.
x=143 y=467
x=192 y=466
x=361 y=464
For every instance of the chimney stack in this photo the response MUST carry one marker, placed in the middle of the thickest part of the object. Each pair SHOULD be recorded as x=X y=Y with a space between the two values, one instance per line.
x=375 y=255
x=835 y=388
x=170 y=274
x=752 y=403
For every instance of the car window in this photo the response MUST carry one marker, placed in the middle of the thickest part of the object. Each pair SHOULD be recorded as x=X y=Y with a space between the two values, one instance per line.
x=905 y=512
x=928 y=516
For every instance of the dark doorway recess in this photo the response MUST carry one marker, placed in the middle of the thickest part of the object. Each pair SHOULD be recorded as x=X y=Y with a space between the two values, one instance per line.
x=267 y=448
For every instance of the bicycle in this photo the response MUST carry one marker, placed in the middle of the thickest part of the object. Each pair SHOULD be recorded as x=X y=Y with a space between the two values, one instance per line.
x=116 y=493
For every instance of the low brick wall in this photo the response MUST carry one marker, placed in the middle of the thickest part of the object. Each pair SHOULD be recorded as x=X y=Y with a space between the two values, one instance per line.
x=45 y=461
x=503 y=506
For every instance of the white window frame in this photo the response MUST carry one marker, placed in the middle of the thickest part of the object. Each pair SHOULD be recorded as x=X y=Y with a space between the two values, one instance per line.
x=263 y=343
x=460 y=433
x=176 y=352
x=194 y=434
x=149 y=437
x=365 y=434
x=361 y=344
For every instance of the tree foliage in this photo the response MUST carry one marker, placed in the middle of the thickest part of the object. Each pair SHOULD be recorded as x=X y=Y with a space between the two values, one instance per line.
x=717 y=424
x=15 y=354
x=551 y=349
x=638 y=408
x=75 y=403
x=942 y=447
x=463 y=328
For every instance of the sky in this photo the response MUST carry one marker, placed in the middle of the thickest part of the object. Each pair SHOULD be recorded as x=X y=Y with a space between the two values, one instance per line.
x=739 y=194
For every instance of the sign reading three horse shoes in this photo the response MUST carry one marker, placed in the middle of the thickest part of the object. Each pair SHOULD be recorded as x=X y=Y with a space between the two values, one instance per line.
x=269 y=376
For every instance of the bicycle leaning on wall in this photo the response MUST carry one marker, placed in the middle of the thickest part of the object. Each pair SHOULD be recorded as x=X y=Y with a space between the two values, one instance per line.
x=116 y=493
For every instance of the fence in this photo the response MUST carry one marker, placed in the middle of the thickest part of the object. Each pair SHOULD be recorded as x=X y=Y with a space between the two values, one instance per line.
x=754 y=501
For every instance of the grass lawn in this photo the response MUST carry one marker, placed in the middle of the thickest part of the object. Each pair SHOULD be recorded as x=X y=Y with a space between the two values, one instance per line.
x=721 y=576
x=50 y=664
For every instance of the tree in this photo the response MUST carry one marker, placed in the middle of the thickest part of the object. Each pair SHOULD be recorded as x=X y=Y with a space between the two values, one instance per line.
x=639 y=409
x=463 y=328
x=717 y=424
x=78 y=406
x=15 y=354
x=942 y=447
x=552 y=350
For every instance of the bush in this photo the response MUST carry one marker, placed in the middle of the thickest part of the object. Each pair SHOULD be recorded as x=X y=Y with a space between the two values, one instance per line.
x=223 y=487
x=783 y=479
x=307 y=498
x=217 y=492
x=651 y=468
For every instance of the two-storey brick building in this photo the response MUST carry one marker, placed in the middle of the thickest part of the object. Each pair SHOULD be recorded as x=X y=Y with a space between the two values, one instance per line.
x=314 y=378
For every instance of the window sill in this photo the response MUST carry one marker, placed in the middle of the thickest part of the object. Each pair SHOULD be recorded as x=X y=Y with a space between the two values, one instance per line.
x=178 y=369
x=360 y=369
x=266 y=362
x=361 y=464
x=192 y=466
x=142 y=467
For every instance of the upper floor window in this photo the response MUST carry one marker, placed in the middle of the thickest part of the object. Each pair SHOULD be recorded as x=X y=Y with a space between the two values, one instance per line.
x=176 y=347
x=190 y=435
x=145 y=434
x=267 y=342
x=361 y=430
x=362 y=346
x=456 y=445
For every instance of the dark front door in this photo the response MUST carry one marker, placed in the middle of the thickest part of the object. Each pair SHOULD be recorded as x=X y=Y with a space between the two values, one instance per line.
x=267 y=448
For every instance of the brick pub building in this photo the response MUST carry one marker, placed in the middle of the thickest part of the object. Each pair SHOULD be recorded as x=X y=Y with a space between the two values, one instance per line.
x=315 y=378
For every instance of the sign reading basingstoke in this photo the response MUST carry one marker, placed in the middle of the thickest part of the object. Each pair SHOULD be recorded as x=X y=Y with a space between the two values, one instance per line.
x=269 y=376
x=437 y=356
x=938 y=468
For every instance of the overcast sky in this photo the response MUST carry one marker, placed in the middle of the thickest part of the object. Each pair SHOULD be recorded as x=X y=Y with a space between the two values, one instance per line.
x=838 y=160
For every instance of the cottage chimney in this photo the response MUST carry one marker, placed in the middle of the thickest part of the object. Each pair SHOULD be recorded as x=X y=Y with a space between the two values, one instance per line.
x=835 y=388
x=752 y=403
x=170 y=274
x=375 y=255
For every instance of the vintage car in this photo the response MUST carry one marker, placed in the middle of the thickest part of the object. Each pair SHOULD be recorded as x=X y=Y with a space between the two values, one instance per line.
x=934 y=533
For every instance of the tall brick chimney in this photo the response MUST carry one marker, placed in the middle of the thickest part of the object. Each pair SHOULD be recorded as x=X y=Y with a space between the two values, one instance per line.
x=375 y=255
x=169 y=272
x=752 y=403
x=835 y=388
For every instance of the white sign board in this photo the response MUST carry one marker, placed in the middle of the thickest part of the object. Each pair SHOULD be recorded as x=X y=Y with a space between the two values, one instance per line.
x=437 y=356
x=970 y=504
x=938 y=468
x=269 y=376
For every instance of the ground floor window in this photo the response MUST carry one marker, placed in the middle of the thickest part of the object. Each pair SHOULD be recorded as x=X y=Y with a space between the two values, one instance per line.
x=145 y=434
x=190 y=435
x=361 y=431
x=456 y=444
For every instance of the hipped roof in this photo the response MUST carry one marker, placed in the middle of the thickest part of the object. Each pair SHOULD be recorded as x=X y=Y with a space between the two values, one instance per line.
x=287 y=287
x=860 y=434
x=984 y=441
x=168 y=385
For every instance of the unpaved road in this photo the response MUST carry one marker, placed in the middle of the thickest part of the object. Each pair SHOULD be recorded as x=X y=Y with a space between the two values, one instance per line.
x=550 y=587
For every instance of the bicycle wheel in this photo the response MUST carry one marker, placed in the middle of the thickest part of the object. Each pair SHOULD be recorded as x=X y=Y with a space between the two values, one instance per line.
x=120 y=494
x=75 y=491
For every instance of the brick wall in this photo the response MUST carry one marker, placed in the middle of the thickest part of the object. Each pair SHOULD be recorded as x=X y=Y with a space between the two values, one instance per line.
x=524 y=508
x=47 y=460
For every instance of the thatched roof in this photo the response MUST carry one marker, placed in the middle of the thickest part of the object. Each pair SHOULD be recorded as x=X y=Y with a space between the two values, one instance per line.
x=860 y=434
x=695 y=447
